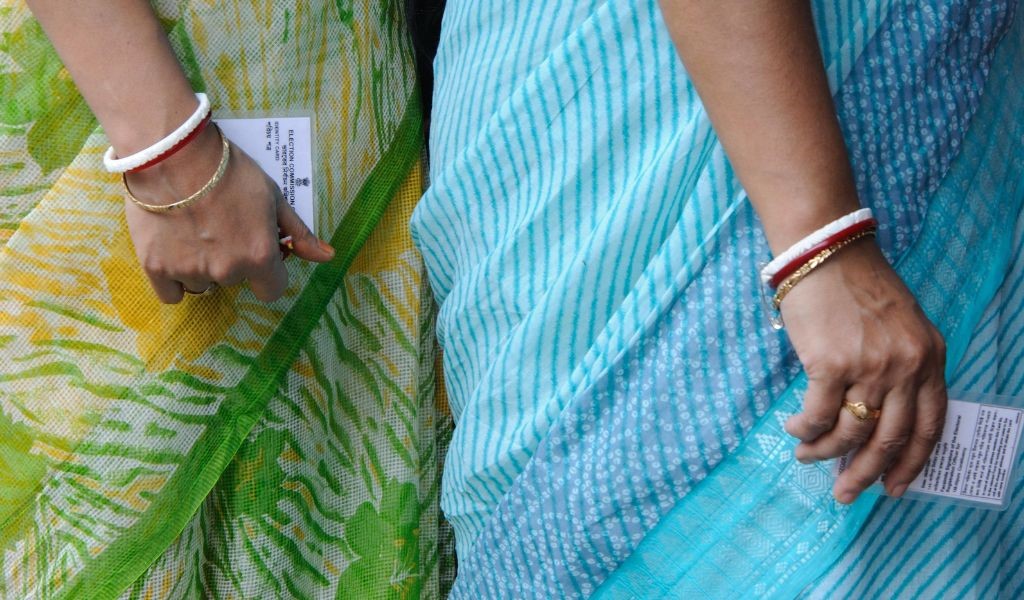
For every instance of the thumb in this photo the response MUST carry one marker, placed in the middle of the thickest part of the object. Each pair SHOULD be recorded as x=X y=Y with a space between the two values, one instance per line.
x=305 y=245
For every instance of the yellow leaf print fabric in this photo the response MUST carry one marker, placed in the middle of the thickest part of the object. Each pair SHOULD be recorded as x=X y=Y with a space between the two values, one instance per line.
x=221 y=448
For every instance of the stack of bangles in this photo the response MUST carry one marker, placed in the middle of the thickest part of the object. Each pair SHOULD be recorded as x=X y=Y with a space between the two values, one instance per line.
x=169 y=146
x=781 y=275
x=166 y=148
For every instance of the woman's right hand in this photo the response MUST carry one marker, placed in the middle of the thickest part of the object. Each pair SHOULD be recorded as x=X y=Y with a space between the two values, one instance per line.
x=122 y=62
x=226 y=238
x=862 y=337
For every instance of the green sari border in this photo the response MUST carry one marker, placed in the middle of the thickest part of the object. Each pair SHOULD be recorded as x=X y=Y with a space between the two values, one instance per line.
x=127 y=559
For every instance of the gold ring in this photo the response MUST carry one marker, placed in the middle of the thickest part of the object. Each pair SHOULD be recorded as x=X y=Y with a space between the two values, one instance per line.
x=861 y=411
x=208 y=289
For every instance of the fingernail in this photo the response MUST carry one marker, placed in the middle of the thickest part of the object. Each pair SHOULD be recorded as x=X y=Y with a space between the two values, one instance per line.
x=899 y=490
x=843 y=497
x=326 y=248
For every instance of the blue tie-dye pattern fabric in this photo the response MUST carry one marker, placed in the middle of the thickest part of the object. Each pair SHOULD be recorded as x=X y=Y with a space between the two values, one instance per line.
x=618 y=393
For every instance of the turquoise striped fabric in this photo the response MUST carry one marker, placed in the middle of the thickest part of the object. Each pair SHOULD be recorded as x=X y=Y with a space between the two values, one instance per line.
x=944 y=551
x=614 y=379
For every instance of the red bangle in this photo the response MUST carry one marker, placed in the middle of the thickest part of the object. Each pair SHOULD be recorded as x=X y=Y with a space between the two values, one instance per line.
x=175 y=148
x=792 y=266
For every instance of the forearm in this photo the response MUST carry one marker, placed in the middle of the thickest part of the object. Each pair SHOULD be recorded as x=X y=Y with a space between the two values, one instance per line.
x=758 y=69
x=121 y=61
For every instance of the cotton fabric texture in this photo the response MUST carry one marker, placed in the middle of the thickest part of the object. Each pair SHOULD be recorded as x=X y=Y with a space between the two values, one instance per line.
x=220 y=448
x=618 y=391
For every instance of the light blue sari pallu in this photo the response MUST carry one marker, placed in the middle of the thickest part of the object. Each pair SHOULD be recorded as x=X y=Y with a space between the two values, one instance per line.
x=618 y=392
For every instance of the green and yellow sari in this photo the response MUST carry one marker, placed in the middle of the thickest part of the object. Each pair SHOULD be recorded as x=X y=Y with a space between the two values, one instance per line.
x=221 y=448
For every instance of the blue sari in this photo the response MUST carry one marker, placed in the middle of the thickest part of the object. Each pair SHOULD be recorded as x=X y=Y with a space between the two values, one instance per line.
x=618 y=393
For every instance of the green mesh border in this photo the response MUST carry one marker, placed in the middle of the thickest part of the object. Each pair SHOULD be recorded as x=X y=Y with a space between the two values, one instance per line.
x=170 y=511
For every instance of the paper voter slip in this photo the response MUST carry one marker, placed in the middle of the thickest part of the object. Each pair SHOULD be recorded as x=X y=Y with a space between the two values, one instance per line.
x=283 y=148
x=975 y=462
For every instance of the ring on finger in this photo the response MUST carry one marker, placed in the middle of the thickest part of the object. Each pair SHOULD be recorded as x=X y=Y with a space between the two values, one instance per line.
x=287 y=245
x=862 y=412
x=208 y=290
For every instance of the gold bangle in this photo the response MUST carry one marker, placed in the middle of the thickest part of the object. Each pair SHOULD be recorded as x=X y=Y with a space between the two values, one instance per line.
x=196 y=197
x=819 y=259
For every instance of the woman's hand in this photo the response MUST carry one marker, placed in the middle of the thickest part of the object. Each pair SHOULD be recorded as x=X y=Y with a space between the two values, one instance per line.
x=228 y=237
x=121 y=61
x=855 y=326
x=862 y=337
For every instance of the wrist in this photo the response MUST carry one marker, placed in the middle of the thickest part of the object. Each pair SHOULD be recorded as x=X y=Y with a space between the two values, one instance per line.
x=792 y=205
x=857 y=268
x=808 y=218
x=808 y=254
x=140 y=129
x=181 y=174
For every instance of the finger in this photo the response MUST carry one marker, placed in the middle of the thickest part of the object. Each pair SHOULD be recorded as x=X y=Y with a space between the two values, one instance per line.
x=167 y=290
x=268 y=284
x=940 y=352
x=821 y=409
x=931 y=417
x=885 y=445
x=849 y=433
x=226 y=274
x=305 y=245
x=231 y=280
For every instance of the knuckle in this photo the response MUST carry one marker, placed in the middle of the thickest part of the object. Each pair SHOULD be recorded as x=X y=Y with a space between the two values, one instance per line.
x=818 y=422
x=191 y=275
x=874 y=364
x=853 y=437
x=892 y=443
x=301 y=231
x=929 y=432
x=940 y=348
x=221 y=272
x=913 y=356
x=154 y=266
x=262 y=256
x=828 y=366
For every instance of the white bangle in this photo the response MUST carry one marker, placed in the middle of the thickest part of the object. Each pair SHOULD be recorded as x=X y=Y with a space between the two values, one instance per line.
x=142 y=157
x=813 y=240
